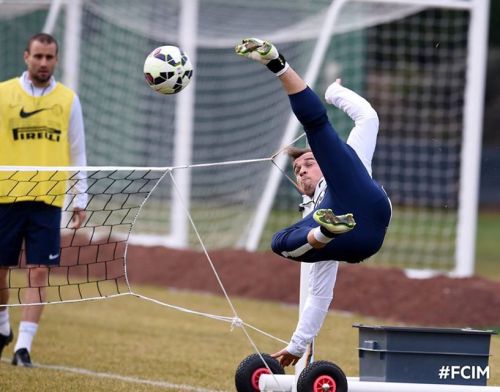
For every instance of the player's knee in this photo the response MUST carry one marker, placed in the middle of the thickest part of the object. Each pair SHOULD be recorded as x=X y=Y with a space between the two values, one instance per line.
x=276 y=243
x=278 y=246
x=38 y=276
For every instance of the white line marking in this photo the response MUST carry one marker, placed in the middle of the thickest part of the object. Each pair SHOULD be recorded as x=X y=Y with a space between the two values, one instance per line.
x=135 y=380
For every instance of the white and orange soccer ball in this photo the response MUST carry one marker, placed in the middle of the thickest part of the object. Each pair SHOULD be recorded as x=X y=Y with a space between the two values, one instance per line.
x=168 y=70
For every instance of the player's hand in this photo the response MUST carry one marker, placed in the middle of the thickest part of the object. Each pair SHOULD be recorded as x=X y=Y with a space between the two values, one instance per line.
x=78 y=218
x=257 y=49
x=285 y=358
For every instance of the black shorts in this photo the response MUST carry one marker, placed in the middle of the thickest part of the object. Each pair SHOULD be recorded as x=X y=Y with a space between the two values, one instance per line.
x=38 y=224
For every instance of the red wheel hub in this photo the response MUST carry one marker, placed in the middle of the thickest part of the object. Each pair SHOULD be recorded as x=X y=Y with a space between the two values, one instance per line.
x=324 y=384
x=256 y=376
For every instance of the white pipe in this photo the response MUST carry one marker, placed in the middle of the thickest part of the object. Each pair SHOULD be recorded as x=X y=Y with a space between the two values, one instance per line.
x=471 y=139
x=450 y=4
x=151 y=240
x=72 y=39
x=184 y=125
x=277 y=383
x=273 y=181
x=50 y=22
x=286 y=383
x=355 y=385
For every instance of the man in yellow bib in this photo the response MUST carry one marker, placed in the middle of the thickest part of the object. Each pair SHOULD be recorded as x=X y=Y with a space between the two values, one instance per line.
x=41 y=124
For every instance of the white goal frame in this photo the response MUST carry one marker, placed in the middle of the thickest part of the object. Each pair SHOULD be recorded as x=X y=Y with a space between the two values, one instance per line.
x=464 y=257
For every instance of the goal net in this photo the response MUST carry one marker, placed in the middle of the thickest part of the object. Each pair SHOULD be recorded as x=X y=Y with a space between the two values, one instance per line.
x=409 y=59
x=92 y=257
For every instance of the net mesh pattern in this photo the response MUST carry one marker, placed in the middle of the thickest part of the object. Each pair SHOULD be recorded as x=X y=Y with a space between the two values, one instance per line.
x=92 y=257
x=409 y=61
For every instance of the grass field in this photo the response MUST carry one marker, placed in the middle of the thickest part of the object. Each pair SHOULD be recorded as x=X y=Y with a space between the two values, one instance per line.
x=487 y=250
x=128 y=344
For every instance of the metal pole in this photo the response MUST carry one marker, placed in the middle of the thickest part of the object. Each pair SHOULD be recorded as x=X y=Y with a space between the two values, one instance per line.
x=50 y=22
x=471 y=140
x=72 y=39
x=184 y=125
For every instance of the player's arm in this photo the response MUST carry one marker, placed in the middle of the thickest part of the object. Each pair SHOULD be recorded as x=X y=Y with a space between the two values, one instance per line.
x=307 y=107
x=363 y=137
x=78 y=157
x=322 y=278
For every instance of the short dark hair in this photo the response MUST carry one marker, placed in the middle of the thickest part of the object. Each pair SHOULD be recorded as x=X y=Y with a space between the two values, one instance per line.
x=296 y=152
x=43 y=38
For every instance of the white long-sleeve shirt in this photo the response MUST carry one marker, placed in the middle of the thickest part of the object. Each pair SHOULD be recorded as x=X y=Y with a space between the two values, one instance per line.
x=76 y=135
x=323 y=274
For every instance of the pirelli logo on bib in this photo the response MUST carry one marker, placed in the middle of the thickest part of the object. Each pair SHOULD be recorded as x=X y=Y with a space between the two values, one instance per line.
x=36 y=133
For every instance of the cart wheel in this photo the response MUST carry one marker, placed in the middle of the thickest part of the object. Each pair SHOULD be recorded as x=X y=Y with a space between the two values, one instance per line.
x=322 y=376
x=251 y=368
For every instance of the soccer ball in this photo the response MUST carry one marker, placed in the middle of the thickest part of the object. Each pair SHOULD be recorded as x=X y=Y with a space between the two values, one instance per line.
x=167 y=70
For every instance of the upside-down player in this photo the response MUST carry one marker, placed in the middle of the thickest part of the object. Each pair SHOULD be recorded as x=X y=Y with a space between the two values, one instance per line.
x=350 y=212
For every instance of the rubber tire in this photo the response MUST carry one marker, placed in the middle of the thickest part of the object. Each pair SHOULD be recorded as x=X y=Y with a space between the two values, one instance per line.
x=312 y=372
x=248 y=367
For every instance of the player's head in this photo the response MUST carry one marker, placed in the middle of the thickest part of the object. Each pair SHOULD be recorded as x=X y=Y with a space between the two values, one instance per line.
x=306 y=169
x=40 y=57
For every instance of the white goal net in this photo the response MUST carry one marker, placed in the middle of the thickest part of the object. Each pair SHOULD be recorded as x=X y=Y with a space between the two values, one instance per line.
x=410 y=59
x=92 y=257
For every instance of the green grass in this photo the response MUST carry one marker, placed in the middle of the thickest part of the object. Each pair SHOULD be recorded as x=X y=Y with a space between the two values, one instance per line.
x=134 y=338
x=131 y=337
x=487 y=249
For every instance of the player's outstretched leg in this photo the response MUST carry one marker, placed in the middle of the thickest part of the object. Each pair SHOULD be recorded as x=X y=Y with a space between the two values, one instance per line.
x=334 y=224
x=264 y=52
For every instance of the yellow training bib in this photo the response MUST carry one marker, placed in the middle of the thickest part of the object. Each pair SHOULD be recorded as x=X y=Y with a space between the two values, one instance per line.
x=34 y=132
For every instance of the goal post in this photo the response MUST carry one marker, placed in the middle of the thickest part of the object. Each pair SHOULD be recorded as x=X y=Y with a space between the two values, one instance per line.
x=183 y=141
x=472 y=136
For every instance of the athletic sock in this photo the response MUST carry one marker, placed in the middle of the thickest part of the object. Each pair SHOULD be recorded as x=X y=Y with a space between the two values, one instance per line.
x=27 y=331
x=327 y=233
x=278 y=66
x=320 y=236
x=4 y=322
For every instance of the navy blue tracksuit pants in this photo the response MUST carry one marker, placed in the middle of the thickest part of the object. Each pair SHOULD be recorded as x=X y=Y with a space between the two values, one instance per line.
x=349 y=189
